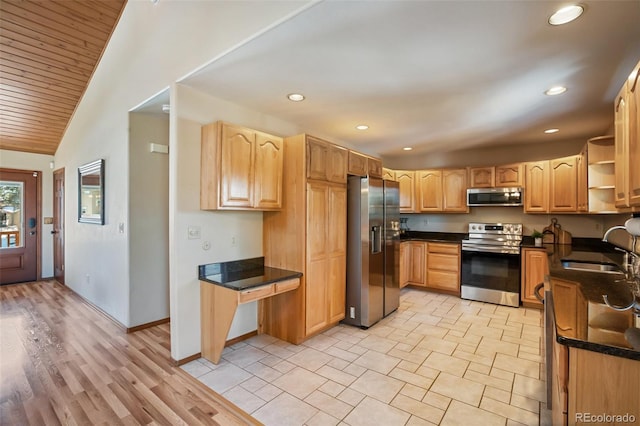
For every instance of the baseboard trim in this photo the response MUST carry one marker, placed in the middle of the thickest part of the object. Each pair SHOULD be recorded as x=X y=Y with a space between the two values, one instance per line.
x=179 y=362
x=147 y=325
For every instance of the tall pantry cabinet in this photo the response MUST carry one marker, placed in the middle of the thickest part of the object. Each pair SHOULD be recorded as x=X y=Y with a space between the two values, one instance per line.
x=309 y=235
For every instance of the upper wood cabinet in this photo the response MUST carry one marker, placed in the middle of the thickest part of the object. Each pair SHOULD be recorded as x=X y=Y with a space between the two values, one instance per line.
x=536 y=194
x=482 y=177
x=326 y=161
x=627 y=144
x=429 y=190
x=564 y=184
x=582 y=182
x=357 y=164
x=363 y=165
x=510 y=175
x=240 y=168
x=388 y=174
x=454 y=190
x=374 y=167
x=407 y=189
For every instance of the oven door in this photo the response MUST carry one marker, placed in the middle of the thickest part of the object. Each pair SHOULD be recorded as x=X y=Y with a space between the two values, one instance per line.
x=491 y=277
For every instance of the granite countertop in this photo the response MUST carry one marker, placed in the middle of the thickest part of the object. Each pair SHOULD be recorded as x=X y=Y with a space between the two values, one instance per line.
x=598 y=328
x=445 y=237
x=243 y=274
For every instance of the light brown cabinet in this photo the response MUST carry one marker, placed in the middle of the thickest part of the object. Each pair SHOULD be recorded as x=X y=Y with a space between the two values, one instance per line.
x=357 y=164
x=563 y=190
x=582 y=182
x=536 y=194
x=510 y=175
x=482 y=177
x=429 y=190
x=627 y=145
x=431 y=265
x=442 y=190
x=374 y=167
x=241 y=169
x=326 y=161
x=601 y=174
x=388 y=174
x=534 y=268
x=407 y=189
x=443 y=267
x=308 y=235
x=454 y=191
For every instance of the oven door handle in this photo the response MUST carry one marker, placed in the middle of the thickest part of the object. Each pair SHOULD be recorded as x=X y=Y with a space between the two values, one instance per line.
x=536 y=292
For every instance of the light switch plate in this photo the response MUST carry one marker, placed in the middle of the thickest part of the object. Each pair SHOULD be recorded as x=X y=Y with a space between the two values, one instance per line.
x=193 y=232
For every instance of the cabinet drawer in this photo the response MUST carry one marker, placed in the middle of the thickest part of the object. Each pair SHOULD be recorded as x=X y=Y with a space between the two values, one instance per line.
x=444 y=280
x=287 y=285
x=443 y=262
x=443 y=248
x=255 y=293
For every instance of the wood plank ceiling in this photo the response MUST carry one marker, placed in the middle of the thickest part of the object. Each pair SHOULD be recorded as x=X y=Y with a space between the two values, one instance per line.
x=48 y=52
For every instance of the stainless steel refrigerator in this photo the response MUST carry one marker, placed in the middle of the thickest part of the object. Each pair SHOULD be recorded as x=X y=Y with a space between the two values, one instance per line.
x=373 y=233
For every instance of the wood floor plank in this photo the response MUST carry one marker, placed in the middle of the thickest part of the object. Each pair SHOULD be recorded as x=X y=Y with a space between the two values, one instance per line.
x=64 y=362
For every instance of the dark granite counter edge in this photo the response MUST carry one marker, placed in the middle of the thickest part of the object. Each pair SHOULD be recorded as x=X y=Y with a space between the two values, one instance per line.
x=230 y=285
x=446 y=237
x=597 y=347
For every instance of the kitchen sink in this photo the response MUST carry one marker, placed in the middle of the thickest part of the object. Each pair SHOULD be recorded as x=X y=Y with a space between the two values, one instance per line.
x=605 y=268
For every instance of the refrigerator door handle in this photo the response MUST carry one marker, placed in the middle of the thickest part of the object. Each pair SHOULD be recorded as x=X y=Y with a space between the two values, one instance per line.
x=376 y=239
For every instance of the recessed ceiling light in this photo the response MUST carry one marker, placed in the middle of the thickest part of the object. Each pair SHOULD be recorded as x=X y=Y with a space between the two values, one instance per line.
x=566 y=14
x=295 y=97
x=555 y=90
x=362 y=127
x=407 y=148
x=549 y=131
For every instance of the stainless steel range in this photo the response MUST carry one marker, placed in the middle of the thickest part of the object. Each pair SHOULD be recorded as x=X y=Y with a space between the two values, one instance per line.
x=491 y=263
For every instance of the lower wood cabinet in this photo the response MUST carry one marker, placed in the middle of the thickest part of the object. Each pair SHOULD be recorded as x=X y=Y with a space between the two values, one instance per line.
x=535 y=265
x=430 y=265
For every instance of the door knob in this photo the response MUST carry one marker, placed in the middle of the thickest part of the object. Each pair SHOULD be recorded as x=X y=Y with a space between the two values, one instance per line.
x=54 y=232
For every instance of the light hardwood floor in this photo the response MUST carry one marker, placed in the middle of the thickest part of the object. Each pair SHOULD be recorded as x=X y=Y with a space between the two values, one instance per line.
x=63 y=362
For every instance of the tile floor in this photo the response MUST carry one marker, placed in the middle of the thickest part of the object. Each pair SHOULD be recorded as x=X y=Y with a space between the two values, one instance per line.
x=437 y=360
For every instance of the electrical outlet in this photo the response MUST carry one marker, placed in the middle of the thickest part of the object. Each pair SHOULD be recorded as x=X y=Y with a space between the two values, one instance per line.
x=87 y=278
x=233 y=241
x=352 y=312
x=193 y=232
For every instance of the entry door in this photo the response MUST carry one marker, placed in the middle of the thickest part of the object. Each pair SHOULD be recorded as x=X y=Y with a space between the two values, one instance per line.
x=19 y=225
x=58 y=225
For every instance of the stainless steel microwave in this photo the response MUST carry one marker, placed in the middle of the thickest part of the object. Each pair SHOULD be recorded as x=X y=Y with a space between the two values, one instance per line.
x=495 y=197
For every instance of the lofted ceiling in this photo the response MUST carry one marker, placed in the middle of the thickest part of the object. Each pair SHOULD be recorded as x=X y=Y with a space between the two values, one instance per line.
x=48 y=52
x=435 y=75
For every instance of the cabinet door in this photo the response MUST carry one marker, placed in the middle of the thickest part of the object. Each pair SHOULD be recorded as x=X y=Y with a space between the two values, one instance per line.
x=317 y=257
x=268 y=180
x=534 y=269
x=388 y=174
x=407 y=191
x=582 y=189
x=374 y=167
x=564 y=184
x=633 y=86
x=337 y=165
x=510 y=175
x=337 y=252
x=565 y=295
x=357 y=164
x=621 y=130
x=317 y=157
x=430 y=190
x=482 y=177
x=418 y=255
x=454 y=190
x=536 y=194
x=405 y=263
x=237 y=146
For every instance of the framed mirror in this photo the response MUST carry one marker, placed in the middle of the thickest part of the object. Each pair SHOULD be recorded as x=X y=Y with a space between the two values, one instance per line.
x=91 y=193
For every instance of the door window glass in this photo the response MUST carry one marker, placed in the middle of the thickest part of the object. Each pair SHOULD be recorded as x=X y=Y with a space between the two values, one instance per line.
x=11 y=214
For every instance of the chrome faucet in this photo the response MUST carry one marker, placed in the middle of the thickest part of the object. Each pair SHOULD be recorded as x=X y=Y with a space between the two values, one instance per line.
x=605 y=238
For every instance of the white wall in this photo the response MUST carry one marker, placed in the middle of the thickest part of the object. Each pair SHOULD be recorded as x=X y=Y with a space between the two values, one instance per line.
x=148 y=219
x=37 y=162
x=192 y=110
x=152 y=46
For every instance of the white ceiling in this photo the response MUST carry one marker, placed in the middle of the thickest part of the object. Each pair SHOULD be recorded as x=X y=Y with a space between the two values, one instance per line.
x=435 y=75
